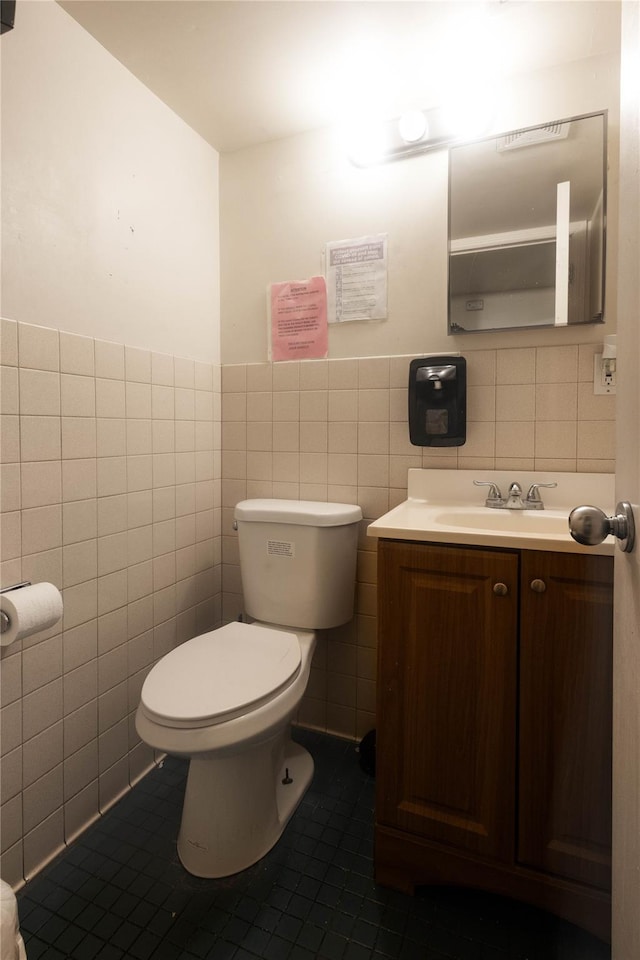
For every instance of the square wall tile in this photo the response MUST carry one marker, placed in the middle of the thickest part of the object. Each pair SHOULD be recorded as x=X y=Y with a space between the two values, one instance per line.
x=137 y=364
x=79 y=646
x=78 y=479
x=80 y=604
x=41 y=529
x=516 y=366
x=481 y=368
x=162 y=371
x=81 y=725
x=139 y=437
x=343 y=374
x=79 y=521
x=184 y=372
x=203 y=375
x=38 y=347
x=112 y=629
x=110 y=398
x=80 y=769
x=77 y=354
x=78 y=438
x=140 y=509
x=111 y=438
x=112 y=591
x=556 y=439
x=286 y=376
x=557 y=364
x=556 y=401
x=138 y=400
x=41 y=664
x=42 y=794
x=481 y=402
x=41 y=483
x=40 y=438
x=111 y=476
x=515 y=402
x=343 y=405
x=39 y=393
x=42 y=708
x=109 y=360
x=112 y=515
x=78 y=396
x=596 y=440
x=162 y=402
x=374 y=373
x=112 y=553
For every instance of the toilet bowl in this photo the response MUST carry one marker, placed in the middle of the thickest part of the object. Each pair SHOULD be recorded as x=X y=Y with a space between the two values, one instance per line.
x=236 y=734
x=225 y=699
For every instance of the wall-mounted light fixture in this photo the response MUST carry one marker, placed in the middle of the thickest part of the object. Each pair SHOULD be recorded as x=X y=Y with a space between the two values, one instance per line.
x=417 y=131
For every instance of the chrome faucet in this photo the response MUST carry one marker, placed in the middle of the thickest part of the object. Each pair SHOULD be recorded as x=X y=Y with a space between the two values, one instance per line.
x=514 y=498
x=514 y=501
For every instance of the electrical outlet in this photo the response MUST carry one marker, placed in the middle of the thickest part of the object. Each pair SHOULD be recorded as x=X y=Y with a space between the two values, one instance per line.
x=604 y=375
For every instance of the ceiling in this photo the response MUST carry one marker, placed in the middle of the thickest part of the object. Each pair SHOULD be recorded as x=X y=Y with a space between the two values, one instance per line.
x=241 y=72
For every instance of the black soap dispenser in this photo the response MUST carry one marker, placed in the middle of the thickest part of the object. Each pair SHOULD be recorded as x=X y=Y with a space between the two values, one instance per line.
x=438 y=401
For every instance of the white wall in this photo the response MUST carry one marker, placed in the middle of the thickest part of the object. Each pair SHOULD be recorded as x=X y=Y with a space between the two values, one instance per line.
x=282 y=201
x=110 y=446
x=109 y=200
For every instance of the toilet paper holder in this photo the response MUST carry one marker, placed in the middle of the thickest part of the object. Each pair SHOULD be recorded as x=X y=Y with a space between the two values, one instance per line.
x=5 y=621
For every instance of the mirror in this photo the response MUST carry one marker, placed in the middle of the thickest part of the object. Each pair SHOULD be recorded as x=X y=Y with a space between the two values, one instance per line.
x=527 y=213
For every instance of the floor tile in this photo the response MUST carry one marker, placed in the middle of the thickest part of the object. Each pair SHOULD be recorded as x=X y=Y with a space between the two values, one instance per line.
x=120 y=892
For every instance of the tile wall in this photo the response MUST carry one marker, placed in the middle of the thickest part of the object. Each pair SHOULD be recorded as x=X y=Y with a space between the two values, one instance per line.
x=111 y=490
x=337 y=430
x=118 y=485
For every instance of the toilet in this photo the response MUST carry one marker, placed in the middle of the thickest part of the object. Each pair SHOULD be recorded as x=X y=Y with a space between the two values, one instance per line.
x=225 y=699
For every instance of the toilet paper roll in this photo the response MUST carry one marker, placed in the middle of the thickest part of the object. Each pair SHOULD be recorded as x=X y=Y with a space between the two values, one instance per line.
x=30 y=609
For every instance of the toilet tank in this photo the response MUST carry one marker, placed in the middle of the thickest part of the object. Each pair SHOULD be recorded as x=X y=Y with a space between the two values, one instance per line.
x=298 y=561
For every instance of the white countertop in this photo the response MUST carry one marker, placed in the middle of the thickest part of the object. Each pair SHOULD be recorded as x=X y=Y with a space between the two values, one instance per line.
x=443 y=506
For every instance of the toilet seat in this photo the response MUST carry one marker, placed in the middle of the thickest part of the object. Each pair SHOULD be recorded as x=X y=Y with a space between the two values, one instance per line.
x=220 y=675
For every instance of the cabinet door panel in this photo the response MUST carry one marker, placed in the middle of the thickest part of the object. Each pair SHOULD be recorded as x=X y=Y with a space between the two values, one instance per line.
x=447 y=681
x=565 y=716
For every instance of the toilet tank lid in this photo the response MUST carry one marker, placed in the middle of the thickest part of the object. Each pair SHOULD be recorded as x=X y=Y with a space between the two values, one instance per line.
x=310 y=513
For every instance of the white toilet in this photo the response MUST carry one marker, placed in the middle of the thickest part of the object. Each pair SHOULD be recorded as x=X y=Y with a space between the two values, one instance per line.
x=225 y=699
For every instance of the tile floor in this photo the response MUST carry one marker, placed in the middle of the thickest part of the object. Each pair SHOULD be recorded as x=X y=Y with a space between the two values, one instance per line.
x=119 y=893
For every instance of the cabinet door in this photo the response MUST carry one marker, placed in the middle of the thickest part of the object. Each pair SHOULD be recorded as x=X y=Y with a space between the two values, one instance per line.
x=447 y=674
x=565 y=716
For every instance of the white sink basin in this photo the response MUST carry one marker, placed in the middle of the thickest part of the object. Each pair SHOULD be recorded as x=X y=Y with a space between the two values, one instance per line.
x=516 y=521
x=443 y=506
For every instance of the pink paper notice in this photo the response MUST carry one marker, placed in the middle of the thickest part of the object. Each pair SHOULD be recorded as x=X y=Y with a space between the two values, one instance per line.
x=299 y=320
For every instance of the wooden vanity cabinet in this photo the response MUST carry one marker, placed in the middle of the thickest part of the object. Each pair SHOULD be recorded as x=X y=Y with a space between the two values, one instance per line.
x=493 y=762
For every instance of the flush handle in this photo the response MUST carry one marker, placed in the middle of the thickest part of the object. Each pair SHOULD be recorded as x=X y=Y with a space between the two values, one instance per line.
x=590 y=525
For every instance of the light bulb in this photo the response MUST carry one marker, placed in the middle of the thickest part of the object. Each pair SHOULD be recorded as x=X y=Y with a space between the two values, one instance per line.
x=413 y=126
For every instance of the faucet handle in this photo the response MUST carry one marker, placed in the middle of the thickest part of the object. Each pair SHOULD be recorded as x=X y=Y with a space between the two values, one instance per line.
x=494 y=497
x=533 y=495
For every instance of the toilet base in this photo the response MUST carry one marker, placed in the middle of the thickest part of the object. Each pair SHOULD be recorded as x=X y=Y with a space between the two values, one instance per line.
x=237 y=805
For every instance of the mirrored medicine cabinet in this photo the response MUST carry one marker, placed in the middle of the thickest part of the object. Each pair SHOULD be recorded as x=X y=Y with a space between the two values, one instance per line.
x=527 y=215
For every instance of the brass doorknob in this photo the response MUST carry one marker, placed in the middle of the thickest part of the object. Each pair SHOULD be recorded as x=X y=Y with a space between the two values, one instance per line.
x=538 y=586
x=500 y=589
